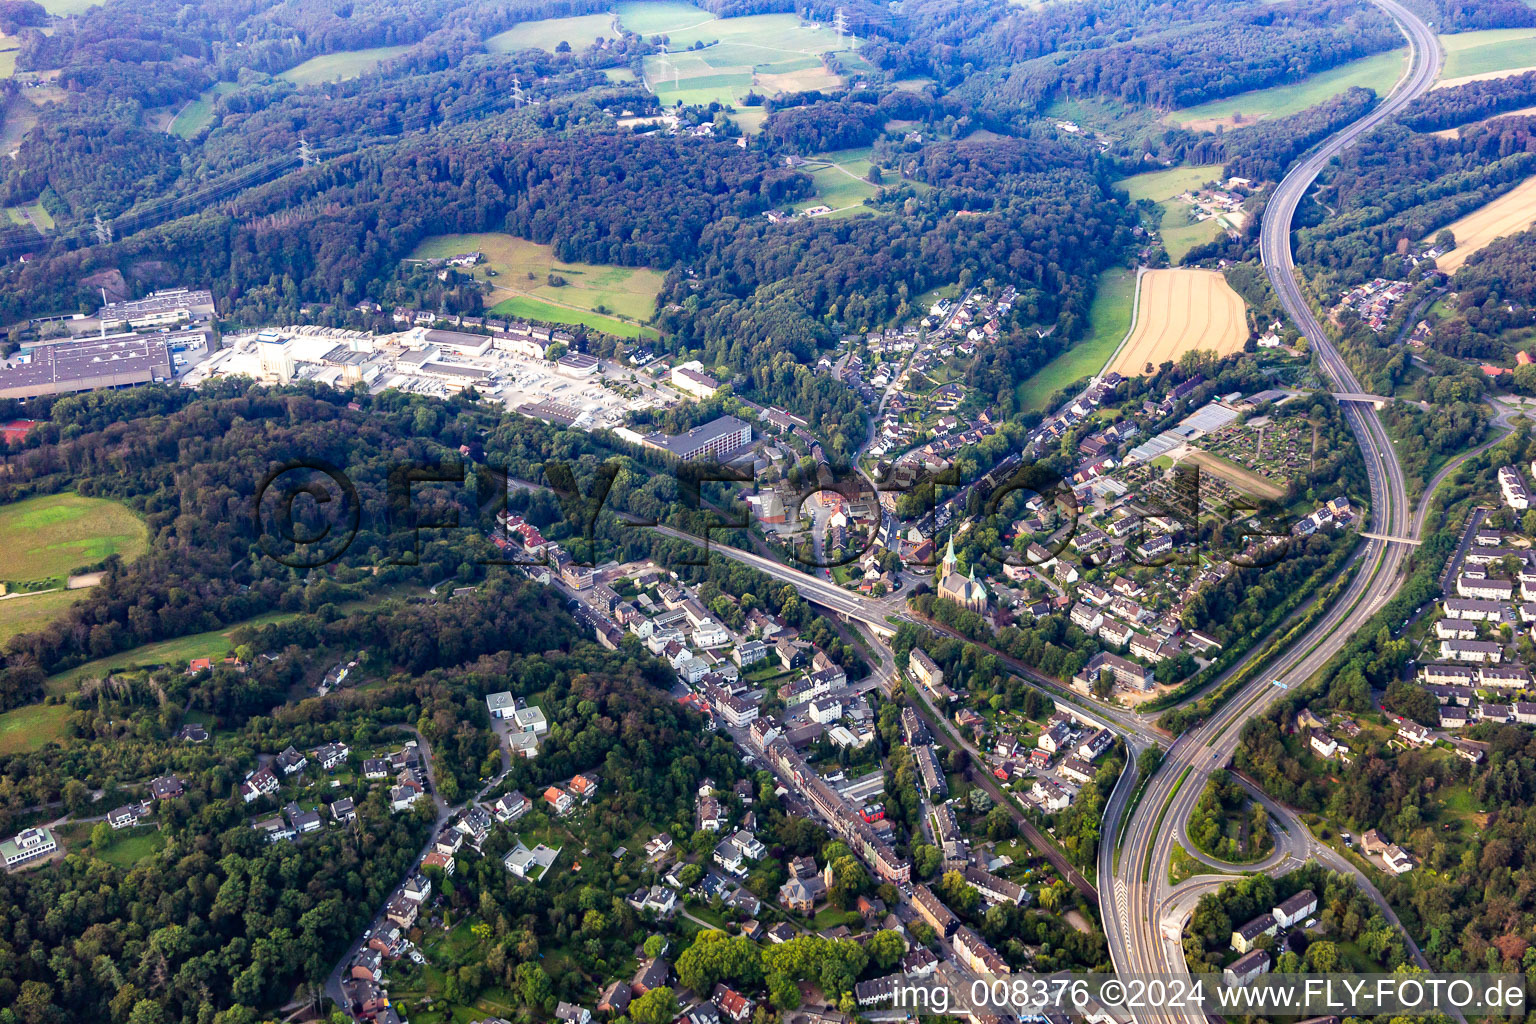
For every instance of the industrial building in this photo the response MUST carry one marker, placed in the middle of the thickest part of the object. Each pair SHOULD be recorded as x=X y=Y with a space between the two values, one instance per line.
x=157 y=309
x=86 y=365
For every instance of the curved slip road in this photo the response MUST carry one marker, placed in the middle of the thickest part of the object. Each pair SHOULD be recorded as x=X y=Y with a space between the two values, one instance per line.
x=1142 y=939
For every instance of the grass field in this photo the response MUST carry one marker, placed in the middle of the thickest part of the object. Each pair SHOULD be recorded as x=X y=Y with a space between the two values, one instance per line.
x=28 y=613
x=20 y=118
x=1181 y=310
x=39 y=216
x=1160 y=185
x=1469 y=55
x=612 y=299
x=198 y=114
x=337 y=67
x=579 y=32
x=1181 y=231
x=649 y=19
x=768 y=53
x=1509 y=214
x=750 y=119
x=529 y=308
x=47 y=538
x=1109 y=317
x=129 y=846
x=841 y=180
x=212 y=644
x=9 y=47
x=27 y=729
x=1379 y=72
x=63 y=7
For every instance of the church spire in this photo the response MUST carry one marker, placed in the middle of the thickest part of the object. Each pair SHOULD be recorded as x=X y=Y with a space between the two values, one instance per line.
x=951 y=561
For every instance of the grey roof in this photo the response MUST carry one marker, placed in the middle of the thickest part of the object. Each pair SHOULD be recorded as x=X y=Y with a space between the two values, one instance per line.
x=84 y=365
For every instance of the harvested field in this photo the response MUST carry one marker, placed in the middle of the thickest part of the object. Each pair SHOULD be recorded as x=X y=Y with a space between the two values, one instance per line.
x=1451 y=83
x=1451 y=133
x=1509 y=214
x=1180 y=311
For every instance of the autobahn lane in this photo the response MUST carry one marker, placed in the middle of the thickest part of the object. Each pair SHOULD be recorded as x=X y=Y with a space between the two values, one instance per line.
x=1134 y=905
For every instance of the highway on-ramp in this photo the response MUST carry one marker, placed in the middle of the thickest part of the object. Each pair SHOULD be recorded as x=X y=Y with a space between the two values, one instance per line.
x=1135 y=899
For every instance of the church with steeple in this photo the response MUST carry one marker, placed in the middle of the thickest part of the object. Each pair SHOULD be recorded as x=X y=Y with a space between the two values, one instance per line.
x=966 y=591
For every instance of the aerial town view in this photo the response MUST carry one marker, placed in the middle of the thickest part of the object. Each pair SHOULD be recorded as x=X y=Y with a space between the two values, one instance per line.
x=700 y=512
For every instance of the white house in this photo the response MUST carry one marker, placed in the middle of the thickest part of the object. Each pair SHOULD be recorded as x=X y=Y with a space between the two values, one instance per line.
x=530 y=719
x=29 y=844
x=1296 y=909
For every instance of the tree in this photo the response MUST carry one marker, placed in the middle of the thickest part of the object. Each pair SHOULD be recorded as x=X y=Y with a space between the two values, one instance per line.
x=1323 y=956
x=655 y=946
x=886 y=948
x=77 y=796
x=658 y=1006
x=926 y=859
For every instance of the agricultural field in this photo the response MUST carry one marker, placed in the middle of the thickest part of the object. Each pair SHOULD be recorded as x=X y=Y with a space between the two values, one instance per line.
x=1451 y=133
x=1493 y=53
x=1379 y=72
x=841 y=180
x=766 y=53
x=1109 y=318
x=198 y=113
x=67 y=7
x=47 y=538
x=579 y=32
x=1512 y=212
x=338 y=67
x=651 y=19
x=1160 y=185
x=26 y=729
x=1179 y=311
x=520 y=270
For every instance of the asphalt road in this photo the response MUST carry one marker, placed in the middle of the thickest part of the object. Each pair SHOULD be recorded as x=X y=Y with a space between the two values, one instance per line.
x=1138 y=902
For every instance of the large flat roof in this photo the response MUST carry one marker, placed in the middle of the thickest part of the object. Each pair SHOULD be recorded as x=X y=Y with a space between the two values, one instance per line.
x=86 y=365
x=682 y=444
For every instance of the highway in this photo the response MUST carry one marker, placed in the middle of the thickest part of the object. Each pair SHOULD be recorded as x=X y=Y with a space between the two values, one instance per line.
x=1143 y=915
